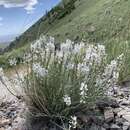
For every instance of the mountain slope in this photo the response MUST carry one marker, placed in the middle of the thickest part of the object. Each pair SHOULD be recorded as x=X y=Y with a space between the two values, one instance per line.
x=95 y=21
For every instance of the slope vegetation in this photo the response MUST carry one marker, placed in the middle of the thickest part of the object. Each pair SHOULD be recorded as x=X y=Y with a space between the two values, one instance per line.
x=95 y=21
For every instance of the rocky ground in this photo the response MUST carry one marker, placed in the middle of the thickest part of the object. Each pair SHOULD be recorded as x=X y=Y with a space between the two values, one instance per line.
x=109 y=114
x=11 y=115
x=11 y=109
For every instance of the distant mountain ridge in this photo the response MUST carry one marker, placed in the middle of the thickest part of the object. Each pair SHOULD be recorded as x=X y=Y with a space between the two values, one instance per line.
x=8 y=38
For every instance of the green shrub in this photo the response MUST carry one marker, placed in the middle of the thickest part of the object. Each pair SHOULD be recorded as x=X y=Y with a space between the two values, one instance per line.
x=64 y=81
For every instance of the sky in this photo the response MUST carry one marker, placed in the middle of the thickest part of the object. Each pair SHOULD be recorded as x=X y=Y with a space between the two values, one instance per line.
x=18 y=15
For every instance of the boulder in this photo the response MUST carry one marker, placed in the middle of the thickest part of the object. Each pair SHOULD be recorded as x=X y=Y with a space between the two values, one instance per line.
x=125 y=102
x=104 y=103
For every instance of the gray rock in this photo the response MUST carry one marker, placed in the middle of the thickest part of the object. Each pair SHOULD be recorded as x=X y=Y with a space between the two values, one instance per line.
x=109 y=115
x=104 y=103
x=115 y=127
x=125 y=102
x=126 y=126
x=120 y=121
x=127 y=117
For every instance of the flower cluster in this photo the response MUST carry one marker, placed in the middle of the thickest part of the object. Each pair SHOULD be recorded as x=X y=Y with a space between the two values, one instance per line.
x=81 y=62
x=13 y=62
x=73 y=122
x=95 y=54
x=67 y=100
x=83 y=93
x=38 y=70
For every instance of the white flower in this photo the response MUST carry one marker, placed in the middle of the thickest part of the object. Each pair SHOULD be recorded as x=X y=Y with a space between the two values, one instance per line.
x=83 y=89
x=27 y=58
x=52 y=40
x=101 y=49
x=78 y=47
x=90 y=52
x=115 y=75
x=66 y=47
x=50 y=46
x=70 y=66
x=40 y=71
x=83 y=92
x=110 y=69
x=13 y=62
x=126 y=42
x=83 y=68
x=95 y=54
x=120 y=57
x=37 y=46
x=59 y=54
x=67 y=100
x=73 y=122
x=43 y=38
x=111 y=75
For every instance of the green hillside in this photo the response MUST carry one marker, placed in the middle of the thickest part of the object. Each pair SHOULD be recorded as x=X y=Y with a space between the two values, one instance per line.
x=95 y=21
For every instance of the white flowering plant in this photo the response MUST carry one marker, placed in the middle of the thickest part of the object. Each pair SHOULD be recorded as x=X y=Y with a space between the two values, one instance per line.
x=64 y=79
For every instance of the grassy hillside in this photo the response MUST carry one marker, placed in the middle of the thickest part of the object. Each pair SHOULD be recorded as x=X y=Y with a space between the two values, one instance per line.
x=94 y=20
x=98 y=21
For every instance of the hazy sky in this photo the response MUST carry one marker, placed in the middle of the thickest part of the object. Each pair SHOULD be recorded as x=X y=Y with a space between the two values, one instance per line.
x=17 y=15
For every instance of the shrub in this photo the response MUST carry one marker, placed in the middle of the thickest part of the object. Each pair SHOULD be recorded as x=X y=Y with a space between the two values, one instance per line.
x=61 y=82
x=64 y=81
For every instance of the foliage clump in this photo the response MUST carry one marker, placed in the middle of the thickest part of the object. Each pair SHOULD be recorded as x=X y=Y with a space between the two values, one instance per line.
x=68 y=78
x=64 y=79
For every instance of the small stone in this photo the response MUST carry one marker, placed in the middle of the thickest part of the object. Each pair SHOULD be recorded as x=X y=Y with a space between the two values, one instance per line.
x=127 y=117
x=4 y=122
x=122 y=112
x=120 y=121
x=126 y=126
x=117 y=110
x=115 y=127
x=105 y=125
x=125 y=102
x=109 y=115
x=120 y=93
